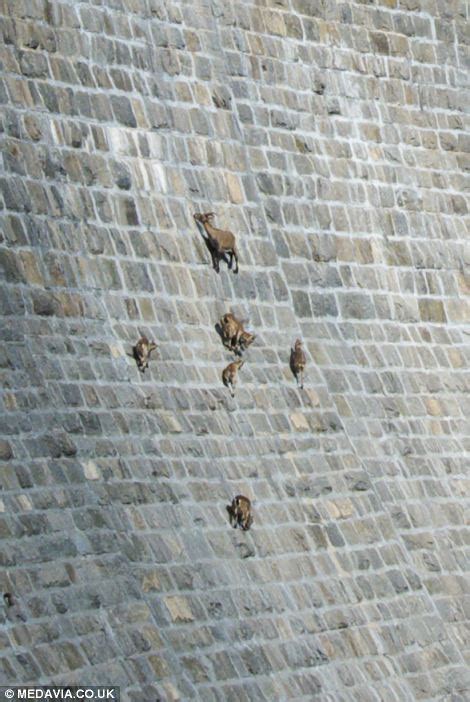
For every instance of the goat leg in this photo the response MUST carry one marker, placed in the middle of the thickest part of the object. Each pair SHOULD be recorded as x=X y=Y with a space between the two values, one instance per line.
x=215 y=261
x=235 y=255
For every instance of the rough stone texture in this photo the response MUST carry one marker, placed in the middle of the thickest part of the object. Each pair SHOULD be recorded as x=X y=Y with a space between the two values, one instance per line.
x=332 y=137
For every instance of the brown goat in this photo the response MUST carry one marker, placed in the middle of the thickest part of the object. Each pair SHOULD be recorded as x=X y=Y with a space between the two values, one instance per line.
x=246 y=338
x=233 y=333
x=220 y=242
x=229 y=375
x=240 y=512
x=298 y=362
x=141 y=352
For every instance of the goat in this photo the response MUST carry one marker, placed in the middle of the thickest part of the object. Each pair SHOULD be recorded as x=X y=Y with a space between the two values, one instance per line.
x=240 y=512
x=246 y=338
x=219 y=241
x=229 y=375
x=141 y=352
x=298 y=362
x=233 y=334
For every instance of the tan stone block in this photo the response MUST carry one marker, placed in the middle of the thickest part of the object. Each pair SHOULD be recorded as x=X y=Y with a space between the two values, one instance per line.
x=140 y=115
x=179 y=609
x=342 y=406
x=20 y=93
x=151 y=634
x=56 y=272
x=340 y=509
x=151 y=582
x=313 y=397
x=30 y=269
x=329 y=33
x=159 y=665
x=318 y=354
x=172 y=694
x=433 y=407
x=299 y=421
x=399 y=45
x=9 y=400
x=258 y=160
x=202 y=95
x=363 y=251
x=192 y=40
x=429 y=140
x=234 y=189
x=464 y=282
x=70 y=305
x=461 y=487
x=256 y=45
x=436 y=428
x=456 y=358
x=377 y=252
x=327 y=647
x=33 y=127
x=172 y=424
x=183 y=92
x=275 y=23
x=431 y=310
x=344 y=249
x=146 y=309
x=458 y=310
x=136 y=519
x=91 y=470
x=371 y=132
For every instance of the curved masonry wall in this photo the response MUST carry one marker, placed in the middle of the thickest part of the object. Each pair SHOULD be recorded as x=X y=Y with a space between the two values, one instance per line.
x=331 y=137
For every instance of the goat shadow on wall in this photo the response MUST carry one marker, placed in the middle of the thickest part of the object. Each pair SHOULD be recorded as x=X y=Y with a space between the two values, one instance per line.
x=292 y=363
x=224 y=257
x=135 y=359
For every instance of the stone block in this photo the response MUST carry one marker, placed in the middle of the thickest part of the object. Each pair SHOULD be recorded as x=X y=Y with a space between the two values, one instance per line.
x=5 y=450
x=179 y=609
x=123 y=111
x=356 y=306
x=323 y=305
x=431 y=310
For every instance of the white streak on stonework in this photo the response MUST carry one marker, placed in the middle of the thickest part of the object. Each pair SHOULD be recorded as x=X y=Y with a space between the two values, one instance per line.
x=118 y=141
x=91 y=470
x=160 y=177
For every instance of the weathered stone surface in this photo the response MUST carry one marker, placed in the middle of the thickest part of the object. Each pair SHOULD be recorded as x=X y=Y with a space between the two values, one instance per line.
x=332 y=138
x=5 y=450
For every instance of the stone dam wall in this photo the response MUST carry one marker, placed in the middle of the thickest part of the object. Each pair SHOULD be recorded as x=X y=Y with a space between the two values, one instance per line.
x=332 y=138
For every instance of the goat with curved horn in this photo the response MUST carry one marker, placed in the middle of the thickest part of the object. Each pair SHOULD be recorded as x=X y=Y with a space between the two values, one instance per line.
x=219 y=241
